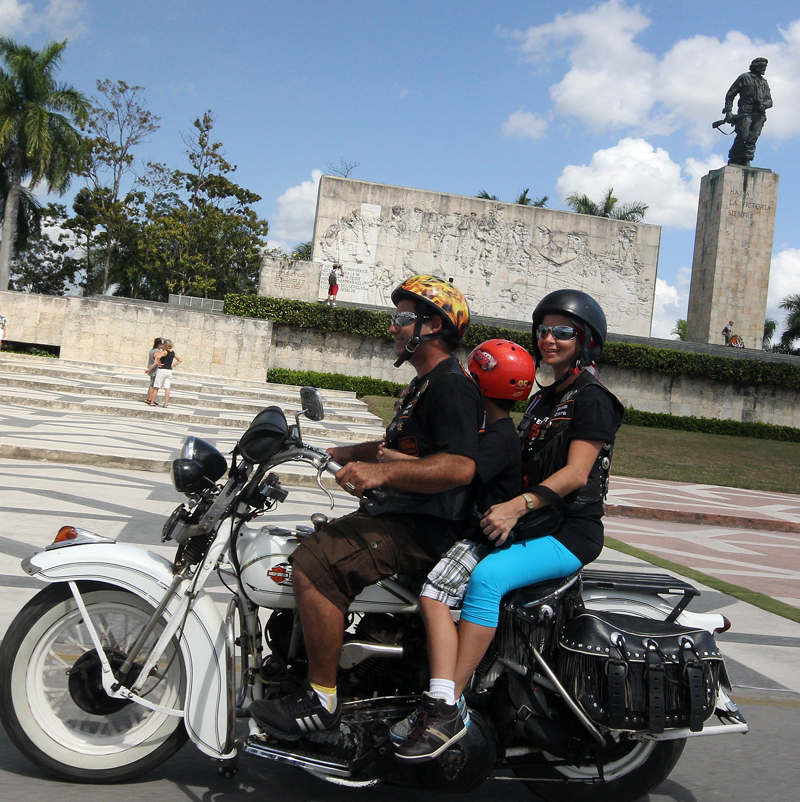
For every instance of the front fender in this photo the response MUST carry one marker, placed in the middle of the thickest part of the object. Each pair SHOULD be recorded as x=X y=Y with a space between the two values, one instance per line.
x=202 y=644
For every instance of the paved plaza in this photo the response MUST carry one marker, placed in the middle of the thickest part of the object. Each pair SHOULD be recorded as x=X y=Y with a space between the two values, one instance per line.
x=80 y=447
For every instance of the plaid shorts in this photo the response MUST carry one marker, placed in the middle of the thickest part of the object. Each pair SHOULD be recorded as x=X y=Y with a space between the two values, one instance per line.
x=447 y=582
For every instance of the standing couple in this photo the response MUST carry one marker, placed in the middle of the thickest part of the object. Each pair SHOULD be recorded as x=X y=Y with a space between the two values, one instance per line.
x=161 y=360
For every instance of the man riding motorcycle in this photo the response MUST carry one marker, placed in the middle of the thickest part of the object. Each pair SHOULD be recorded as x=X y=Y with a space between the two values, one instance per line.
x=438 y=419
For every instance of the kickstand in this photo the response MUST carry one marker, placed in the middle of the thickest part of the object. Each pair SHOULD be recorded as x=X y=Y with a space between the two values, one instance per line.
x=228 y=768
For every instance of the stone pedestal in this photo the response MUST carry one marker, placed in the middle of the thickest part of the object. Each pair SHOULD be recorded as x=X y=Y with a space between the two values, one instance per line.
x=732 y=253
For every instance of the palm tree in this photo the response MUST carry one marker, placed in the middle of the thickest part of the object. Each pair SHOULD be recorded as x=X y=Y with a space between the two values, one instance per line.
x=770 y=324
x=791 y=303
x=607 y=207
x=29 y=213
x=679 y=330
x=522 y=199
x=38 y=138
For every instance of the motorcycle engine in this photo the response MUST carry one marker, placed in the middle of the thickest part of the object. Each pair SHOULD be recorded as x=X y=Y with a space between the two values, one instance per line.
x=389 y=676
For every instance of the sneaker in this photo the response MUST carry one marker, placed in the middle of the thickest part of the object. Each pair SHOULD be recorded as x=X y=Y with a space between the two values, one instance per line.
x=298 y=715
x=402 y=729
x=437 y=727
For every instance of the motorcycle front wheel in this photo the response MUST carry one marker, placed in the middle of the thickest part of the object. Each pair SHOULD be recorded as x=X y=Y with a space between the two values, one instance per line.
x=51 y=699
x=631 y=769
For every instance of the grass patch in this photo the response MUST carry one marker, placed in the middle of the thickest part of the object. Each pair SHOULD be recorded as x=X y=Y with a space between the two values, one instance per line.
x=743 y=594
x=382 y=406
x=676 y=456
x=713 y=459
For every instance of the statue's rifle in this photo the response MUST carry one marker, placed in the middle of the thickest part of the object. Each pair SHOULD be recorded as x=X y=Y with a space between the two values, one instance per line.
x=729 y=119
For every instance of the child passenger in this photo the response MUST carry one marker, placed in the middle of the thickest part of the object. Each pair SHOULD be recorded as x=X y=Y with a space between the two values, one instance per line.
x=504 y=372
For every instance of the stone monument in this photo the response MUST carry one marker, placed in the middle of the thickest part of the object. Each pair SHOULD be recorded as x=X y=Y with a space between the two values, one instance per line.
x=504 y=257
x=732 y=254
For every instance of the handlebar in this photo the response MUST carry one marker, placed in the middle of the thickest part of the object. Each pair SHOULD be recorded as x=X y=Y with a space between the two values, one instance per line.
x=376 y=494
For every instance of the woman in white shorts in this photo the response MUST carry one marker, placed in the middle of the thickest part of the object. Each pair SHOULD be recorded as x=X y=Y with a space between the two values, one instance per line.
x=163 y=362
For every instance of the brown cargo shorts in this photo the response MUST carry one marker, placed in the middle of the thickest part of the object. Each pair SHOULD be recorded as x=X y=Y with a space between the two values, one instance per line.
x=357 y=550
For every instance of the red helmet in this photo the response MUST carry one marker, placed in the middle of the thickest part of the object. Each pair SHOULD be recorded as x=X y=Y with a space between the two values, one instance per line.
x=502 y=369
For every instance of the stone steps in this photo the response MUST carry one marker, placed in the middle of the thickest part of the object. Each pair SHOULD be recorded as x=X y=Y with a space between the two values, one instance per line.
x=68 y=413
x=28 y=367
x=73 y=393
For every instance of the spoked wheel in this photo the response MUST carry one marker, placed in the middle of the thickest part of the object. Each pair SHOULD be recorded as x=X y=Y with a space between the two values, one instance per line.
x=52 y=703
x=631 y=769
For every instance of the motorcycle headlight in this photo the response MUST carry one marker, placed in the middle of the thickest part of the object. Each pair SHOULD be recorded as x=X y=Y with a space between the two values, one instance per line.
x=199 y=464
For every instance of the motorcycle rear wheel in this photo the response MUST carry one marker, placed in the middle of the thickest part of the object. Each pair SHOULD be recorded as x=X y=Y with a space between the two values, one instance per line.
x=51 y=701
x=631 y=770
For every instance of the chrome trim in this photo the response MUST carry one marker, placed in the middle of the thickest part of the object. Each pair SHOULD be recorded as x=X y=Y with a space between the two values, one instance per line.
x=334 y=768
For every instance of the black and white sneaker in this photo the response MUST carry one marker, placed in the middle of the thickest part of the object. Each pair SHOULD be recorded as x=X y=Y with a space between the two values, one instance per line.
x=298 y=715
x=437 y=727
x=402 y=729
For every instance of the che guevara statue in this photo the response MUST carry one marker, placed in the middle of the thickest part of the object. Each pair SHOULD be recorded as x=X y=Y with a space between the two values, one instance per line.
x=754 y=100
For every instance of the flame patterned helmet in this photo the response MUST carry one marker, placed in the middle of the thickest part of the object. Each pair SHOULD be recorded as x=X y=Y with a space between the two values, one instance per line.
x=443 y=299
x=502 y=369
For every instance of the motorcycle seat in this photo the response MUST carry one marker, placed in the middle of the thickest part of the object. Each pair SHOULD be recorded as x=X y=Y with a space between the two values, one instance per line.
x=540 y=592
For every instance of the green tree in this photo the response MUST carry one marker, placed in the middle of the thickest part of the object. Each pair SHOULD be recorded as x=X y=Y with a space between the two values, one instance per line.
x=608 y=206
x=199 y=234
x=770 y=325
x=791 y=303
x=118 y=123
x=522 y=199
x=38 y=135
x=302 y=251
x=29 y=211
x=45 y=265
x=679 y=330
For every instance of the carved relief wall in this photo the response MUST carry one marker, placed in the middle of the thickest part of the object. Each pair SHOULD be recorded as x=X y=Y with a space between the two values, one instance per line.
x=503 y=256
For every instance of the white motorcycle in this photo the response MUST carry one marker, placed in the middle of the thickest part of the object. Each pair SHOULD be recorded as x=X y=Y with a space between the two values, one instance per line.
x=589 y=691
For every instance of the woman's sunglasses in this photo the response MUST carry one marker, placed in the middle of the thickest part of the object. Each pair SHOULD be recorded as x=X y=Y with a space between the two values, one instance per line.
x=558 y=332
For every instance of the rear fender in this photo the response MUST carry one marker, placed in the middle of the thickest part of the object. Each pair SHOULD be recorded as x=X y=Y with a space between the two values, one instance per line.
x=648 y=605
x=148 y=575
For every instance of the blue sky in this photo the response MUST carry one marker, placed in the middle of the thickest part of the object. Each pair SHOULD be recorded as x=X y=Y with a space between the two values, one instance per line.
x=454 y=96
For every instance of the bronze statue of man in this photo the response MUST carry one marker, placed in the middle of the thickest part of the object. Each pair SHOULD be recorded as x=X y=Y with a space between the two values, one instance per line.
x=754 y=99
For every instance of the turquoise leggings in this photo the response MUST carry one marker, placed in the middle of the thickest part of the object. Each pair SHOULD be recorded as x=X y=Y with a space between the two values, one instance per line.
x=506 y=569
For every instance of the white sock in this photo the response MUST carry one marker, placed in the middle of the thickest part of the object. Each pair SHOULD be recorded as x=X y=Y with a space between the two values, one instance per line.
x=327 y=696
x=443 y=689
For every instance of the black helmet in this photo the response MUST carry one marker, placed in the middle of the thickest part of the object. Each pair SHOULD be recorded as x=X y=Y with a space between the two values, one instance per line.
x=581 y=308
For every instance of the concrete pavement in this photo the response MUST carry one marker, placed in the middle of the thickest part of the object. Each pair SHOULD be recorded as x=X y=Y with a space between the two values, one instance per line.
x=37 y=498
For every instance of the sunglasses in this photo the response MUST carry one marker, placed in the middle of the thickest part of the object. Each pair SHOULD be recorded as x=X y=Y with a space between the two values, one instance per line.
x=558 y=332
x=406 y=318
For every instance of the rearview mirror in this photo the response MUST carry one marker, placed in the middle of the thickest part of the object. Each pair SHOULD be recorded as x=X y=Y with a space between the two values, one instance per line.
x=311 y=402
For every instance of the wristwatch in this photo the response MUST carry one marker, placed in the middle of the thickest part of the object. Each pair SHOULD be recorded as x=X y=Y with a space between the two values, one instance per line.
x=530 y=501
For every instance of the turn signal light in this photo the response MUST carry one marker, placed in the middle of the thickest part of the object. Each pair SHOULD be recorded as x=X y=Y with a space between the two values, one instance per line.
x=66 y=533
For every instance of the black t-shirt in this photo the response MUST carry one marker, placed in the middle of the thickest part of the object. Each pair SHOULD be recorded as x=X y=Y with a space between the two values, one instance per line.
x=498 y=474
x=583 y=411
x=440 y=412
x=499 y=464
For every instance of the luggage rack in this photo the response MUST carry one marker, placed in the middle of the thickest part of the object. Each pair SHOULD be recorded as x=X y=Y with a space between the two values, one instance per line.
x=645 y=583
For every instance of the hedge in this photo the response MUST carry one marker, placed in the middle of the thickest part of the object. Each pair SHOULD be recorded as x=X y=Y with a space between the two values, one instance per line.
x=360 y=385
x=364 y=323
x=363 y=385
x=689 y=423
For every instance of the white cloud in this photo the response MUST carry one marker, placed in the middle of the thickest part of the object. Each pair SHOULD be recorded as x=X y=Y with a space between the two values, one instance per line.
x=671 y=304
x=59 y=19
x=613 y=82
x=296 y=209
x=525 y=125
x=12 y=16
x=784 y=279
x=640 y=172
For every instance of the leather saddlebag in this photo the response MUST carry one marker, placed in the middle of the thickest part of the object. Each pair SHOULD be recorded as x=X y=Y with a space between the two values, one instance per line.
x=632 y=673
